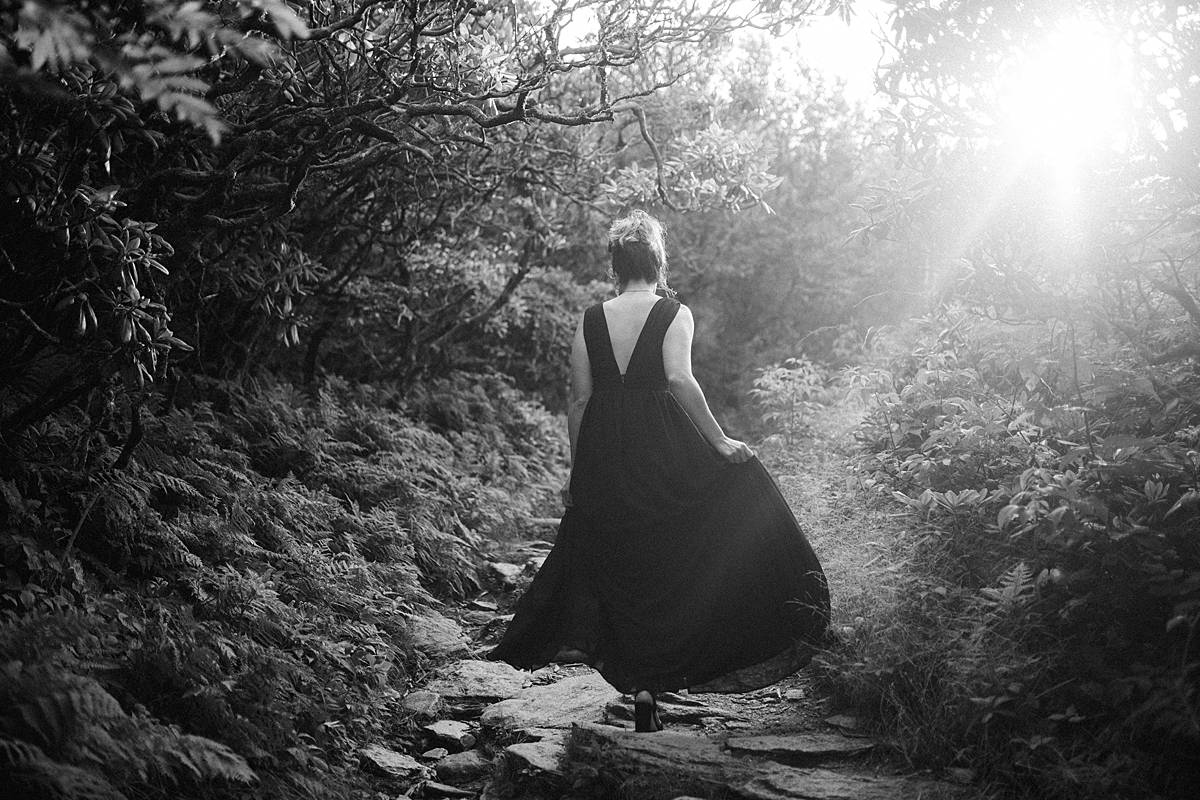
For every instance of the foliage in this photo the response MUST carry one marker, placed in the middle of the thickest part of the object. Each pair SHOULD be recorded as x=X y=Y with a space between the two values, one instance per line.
x=232 y=605
x=51 y=717
x=781 y=279
x=280 y=282
x=787 y=393
x=1040 y=422
x=244 y=171
x=1057 y=583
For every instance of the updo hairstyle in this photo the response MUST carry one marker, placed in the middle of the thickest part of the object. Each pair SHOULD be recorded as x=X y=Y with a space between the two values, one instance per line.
x=638 y=251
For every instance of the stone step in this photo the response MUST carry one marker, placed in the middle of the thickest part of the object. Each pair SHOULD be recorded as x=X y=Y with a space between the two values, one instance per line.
x=799 y=748
x=467 y=686
x=669 y=764
x=581 y=697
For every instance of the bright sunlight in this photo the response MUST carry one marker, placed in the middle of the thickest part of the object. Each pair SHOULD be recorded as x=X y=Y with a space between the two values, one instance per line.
x=1065 y=101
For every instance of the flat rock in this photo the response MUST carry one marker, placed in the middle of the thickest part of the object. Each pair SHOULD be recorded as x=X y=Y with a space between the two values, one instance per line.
x=477 y=618
x=544 y=756
x=790 y=783
x=435 y=753
x=546 y=734
x=534 y=564
x=435 y=789
x=464 y=767
x=482 y=605
x=799 y=747
x=579 y=698
x=382 y=761
x=692 y=712
x=422 y=703
x=538 y=545
x=686 y=763
x=533 y=769
x=471 y=682
x=507 y=574
x=452 y=733
x=680 y=763
x=436 y=634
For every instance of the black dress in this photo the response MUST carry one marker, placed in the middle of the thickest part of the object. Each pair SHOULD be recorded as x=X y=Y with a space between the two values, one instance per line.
x=674 y=568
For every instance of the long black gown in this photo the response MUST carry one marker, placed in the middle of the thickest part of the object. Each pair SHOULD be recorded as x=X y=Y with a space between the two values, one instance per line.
x=673 y=568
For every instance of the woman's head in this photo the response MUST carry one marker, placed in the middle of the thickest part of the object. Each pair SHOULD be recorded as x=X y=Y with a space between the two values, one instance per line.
x=638 y=250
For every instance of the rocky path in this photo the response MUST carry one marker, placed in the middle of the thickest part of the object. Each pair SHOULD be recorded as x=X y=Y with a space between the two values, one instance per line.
x=479 y=729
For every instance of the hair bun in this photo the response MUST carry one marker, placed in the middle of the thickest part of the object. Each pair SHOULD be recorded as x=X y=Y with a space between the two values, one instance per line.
x=638 y=247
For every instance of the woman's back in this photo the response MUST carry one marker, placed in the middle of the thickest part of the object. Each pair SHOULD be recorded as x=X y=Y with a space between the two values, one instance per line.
x=626 y=315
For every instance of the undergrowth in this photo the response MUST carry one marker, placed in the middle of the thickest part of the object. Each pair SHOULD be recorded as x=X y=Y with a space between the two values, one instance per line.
x=1041 y=632
x=225 y=615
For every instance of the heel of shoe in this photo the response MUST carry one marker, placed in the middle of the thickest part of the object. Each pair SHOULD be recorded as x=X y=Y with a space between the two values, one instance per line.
x=645 y=713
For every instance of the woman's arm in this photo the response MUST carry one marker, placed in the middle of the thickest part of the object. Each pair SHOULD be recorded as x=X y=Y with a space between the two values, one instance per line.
x=581 y=387
x=677 y=363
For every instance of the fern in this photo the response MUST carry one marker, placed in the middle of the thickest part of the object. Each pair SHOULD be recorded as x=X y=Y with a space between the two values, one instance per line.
x=1015 y=590
x=200 y=758
x=57 y=781
x=16 y=754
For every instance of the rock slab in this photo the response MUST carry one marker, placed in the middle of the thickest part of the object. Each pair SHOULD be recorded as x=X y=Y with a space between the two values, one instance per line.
x=533 y=769
x=545 y=756
x=463 y=767
x=452 y=733
x=422 y=704
x=791 y=783
x=471 y=682
x=799 y=747
x=435 y=789
x=437 y=635
x=691 y=712
x=506 y=574
x=390 y=764
x=681 y=763
x=686 y=763
x=579 y=698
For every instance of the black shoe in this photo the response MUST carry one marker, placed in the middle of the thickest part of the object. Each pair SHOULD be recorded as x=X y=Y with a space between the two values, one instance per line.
x=645 y=713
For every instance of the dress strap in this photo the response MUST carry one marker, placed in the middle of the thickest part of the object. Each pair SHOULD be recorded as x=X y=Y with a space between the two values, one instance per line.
x=646 y=363
x=595 y=335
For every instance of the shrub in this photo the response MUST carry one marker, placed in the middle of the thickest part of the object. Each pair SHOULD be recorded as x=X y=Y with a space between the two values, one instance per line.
x=231 y=605
x=1055 y=577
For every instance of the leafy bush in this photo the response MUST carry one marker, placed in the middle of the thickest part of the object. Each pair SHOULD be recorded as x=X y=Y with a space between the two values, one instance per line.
x=1048 y=631
x=787 y=393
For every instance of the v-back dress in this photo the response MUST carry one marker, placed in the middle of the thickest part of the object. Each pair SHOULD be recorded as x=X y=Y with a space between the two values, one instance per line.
x=674 y=568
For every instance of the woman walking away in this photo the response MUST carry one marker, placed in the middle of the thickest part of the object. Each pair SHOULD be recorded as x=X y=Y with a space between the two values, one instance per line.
x=678 y=563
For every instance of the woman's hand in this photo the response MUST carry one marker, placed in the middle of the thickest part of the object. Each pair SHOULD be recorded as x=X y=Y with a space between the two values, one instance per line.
x=734 y=450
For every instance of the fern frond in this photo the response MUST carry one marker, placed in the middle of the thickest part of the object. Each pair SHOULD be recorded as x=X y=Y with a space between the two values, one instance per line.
x=16 y=754
x=1015 y=589
x=202 y=759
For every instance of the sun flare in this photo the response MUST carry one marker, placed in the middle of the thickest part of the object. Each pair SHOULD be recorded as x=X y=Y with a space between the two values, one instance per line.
x=1065 y=101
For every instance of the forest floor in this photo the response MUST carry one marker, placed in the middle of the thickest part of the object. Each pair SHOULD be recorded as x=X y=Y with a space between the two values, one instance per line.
x=562 y=732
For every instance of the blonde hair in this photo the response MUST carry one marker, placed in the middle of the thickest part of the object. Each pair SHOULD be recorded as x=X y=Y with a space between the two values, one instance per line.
x=637 y=244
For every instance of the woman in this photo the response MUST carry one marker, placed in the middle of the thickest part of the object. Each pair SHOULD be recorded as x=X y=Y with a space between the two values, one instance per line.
x=677 y=564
